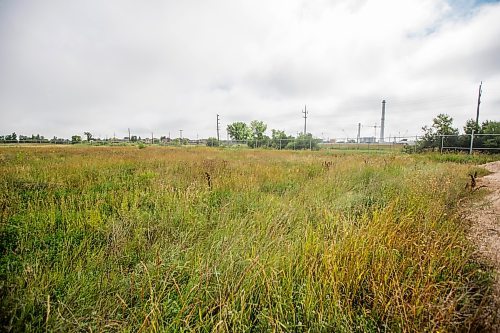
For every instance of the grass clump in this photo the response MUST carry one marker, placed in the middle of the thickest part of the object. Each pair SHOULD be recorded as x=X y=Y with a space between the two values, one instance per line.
x=120 y=239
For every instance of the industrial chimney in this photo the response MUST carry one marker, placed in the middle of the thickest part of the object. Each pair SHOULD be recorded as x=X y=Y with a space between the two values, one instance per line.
x=382 y=123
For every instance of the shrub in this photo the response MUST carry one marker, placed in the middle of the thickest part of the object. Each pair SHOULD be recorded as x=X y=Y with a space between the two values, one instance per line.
x=213 y=142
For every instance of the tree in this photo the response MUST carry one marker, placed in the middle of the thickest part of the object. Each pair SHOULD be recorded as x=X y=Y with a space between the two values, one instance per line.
x=471 y=125
x=491 y=127
x=76 y=139
x=441 y=125
x=279 y=139
x=88 y=135
x=239 y=131
x=256 y=133
x=11 y=137
x=258 y=129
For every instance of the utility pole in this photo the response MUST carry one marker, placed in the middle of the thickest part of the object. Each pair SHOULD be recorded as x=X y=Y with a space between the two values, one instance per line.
x=218 y=124
x=359 y=133
x=152 y=138
x=180 y=134
x=305 y=119
x=129 y=135
x=478 y=103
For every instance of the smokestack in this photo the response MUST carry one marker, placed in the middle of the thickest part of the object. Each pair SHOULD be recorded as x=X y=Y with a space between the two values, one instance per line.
x=382 y=123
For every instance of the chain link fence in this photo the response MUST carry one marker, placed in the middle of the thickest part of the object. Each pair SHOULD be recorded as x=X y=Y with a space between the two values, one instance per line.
x=444 y=143
x=468 y=142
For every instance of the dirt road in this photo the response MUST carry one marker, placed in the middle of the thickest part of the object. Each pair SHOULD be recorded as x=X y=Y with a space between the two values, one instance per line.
x=485 y=233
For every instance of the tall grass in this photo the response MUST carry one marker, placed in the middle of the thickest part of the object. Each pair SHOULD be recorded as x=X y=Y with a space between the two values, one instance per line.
x=122 y=239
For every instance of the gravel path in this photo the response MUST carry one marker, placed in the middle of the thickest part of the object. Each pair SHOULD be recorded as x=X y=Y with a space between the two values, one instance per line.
x=485 y=232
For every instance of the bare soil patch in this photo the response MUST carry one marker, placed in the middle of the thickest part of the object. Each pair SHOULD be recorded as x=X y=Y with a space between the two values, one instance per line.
x=485 y=234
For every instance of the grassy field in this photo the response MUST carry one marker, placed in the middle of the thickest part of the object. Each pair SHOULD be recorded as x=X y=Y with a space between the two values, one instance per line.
x=175 y=239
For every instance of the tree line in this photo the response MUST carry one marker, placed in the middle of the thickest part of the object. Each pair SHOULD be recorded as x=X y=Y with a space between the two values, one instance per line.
x=443 y=133
x=254 y=136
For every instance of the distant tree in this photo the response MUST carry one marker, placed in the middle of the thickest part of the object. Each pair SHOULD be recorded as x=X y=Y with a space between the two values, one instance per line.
x=278 y=134
x=279 y=139
x=258 y=129
x=179 y=141
x=88 y=135
x=133 y=138
x=11 y=137
x=491 y=127
x=304 y=142
x=471 y=125
x=76 y=139
x=441 y=125
x=239 y=131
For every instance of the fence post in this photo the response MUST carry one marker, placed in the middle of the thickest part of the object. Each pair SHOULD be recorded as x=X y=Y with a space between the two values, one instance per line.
x=442 y=142
x=471 y=142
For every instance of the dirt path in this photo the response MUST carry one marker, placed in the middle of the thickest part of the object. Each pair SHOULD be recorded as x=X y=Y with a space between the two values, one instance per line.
x=485 y=232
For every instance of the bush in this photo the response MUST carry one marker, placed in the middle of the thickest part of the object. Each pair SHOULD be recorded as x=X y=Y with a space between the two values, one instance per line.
x=259 y=143
x=213 y=142
x=304 y=142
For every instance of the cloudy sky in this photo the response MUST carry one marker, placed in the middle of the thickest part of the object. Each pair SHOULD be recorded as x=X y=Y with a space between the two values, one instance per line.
x=159 y=66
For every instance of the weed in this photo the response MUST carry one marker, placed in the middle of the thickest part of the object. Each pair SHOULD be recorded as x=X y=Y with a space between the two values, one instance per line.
x=97 y=239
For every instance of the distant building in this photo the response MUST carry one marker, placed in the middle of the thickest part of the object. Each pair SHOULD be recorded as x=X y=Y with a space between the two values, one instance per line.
x=368 y=139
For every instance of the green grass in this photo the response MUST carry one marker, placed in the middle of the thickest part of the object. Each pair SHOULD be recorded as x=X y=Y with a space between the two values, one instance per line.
x=127 y=239
x=463 y=158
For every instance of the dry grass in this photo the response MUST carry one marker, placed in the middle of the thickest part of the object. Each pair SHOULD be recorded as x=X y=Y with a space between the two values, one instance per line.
x=101 y=238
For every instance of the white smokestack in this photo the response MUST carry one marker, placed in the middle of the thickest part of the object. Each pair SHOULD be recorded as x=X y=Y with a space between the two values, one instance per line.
x=382 y=123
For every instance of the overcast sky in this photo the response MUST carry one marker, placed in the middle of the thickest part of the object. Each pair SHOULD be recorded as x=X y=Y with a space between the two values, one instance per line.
x=159 y=66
